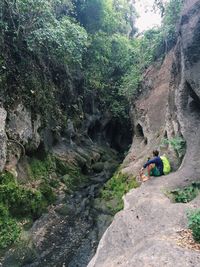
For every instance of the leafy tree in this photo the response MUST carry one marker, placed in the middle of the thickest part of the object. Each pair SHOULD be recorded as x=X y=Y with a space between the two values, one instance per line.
x=41 y=43
x=170 y=19
x=110 y=16
x=159 y=5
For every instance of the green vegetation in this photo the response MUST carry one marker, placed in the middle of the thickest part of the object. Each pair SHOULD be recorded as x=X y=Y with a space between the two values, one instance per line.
x=19 y=202
x=152 y=45
x=170 y=20
x=57 y=58
x=178 y=143
x=170 y=12
x=194 y=224
x=41 y=168
x=57 y=53
x=185 y=194
x=39 y=41
x=52 y=170
x=22 y=201
x=115 y=189
x=9 y=229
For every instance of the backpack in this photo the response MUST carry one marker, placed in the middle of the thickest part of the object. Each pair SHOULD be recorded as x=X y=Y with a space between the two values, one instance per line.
x=166 y=165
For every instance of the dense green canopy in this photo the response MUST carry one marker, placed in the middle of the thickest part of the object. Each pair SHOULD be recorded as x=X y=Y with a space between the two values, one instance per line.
x=49 y=46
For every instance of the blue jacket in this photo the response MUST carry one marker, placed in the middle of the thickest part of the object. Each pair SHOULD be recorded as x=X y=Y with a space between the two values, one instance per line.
x=157 y=161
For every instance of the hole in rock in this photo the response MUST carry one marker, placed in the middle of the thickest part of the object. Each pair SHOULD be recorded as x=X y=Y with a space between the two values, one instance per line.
x=139 y=131
x=145 y=141
x=193 y=100
x=94 y=131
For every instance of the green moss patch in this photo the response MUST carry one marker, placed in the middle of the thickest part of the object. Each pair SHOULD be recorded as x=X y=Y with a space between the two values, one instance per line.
x=9 y=229
x=18 y=202
x=115 y=189
x=27 y=202
x=38 y=168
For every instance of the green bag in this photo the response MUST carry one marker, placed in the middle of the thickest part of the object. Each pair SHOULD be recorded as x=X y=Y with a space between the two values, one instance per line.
x=166 y=165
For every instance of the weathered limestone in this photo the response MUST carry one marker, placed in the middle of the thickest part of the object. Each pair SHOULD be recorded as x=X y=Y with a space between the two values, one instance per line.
x=3 y=138
x=22 y=132
x=22 y=128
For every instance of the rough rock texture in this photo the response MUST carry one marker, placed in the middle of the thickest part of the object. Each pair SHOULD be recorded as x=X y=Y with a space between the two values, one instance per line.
x=22 y=127
x=152 y=118
x=3 y=138
x=145 y=233
x=22 y=132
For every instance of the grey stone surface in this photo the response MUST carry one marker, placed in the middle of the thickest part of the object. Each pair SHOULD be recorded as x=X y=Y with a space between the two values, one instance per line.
x=22 y=127
x=3 y=138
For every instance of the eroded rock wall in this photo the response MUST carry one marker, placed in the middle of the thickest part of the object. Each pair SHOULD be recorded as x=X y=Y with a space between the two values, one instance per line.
x=154 y=116
x=147 y=231
x=170 y=102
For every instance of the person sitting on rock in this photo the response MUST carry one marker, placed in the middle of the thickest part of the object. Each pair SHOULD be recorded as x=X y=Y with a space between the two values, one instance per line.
x=154 y=166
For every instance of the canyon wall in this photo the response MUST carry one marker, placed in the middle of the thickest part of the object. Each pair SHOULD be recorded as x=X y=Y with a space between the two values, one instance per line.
x=149 y=231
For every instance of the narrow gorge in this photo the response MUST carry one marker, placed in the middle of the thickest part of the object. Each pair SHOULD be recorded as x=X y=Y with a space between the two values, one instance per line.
x=150 y=231
x=84 y=100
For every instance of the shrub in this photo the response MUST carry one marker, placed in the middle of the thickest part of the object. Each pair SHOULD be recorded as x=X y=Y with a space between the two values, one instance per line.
x=6 y=177
x=9 y=229
x=115 y=189
x=42 y=168
x=194 y=224
x=178 y=143
x=21 y=201
x=47 y=192
x=185 y=195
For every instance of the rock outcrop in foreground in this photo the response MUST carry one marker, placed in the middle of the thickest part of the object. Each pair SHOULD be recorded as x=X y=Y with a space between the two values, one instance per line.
x=148 y=231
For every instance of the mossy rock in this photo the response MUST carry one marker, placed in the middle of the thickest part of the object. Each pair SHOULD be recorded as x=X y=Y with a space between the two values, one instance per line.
x=101 y=205
x=74 y=182
x=9 y=229
x=41 y=168
x=66 y=179
x=7 y=177
x=55 y=183
x=98 y=167
x=22 y=201
x=111 y=166
x=81 y=161
x=21 y=256
x=64 y=210
x=47 y=192
x=115 y=189
x=63 y=168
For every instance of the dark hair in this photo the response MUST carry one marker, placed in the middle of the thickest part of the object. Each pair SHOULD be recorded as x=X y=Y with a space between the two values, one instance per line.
x=155 y=153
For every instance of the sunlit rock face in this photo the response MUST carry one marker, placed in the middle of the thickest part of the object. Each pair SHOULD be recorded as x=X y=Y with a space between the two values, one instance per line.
x=147 y=231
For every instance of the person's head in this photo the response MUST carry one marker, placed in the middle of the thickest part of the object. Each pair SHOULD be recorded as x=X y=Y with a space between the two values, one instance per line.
x=155 y=153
